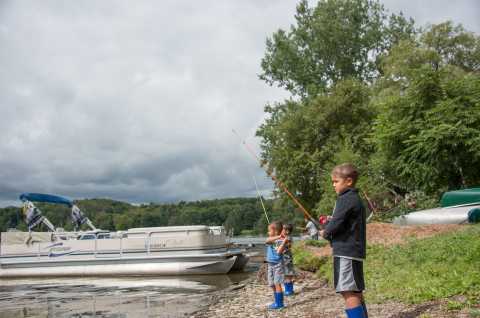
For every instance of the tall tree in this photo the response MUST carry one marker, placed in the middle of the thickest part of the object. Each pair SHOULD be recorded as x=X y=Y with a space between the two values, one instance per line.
x=327 y=61
x=335 y=40
x=301 y=139
x=427 y=135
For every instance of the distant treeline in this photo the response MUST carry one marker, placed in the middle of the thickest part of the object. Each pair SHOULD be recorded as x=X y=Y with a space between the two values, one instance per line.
x=242 y=215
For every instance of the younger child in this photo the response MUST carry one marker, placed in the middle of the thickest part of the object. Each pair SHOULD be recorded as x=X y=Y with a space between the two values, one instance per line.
x=346 y=231
x=275 y=274
x=288 y=259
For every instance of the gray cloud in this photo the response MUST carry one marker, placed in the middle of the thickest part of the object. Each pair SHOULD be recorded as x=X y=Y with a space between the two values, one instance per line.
x=136 y=101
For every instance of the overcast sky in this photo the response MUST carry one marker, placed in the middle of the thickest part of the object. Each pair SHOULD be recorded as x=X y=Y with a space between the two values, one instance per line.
x=136 y=100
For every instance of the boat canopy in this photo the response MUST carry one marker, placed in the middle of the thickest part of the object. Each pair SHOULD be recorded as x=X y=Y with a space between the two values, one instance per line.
x=460 y=197
x=34 y=216
x=46 y=198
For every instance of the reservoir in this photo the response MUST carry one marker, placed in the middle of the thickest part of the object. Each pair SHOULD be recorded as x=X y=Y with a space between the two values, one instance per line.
x=122 y=297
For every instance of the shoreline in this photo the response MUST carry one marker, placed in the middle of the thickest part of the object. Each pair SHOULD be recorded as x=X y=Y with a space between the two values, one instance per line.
x=313 y=298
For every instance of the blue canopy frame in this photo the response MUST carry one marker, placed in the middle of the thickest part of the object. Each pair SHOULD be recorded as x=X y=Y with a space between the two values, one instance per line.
x=47 y=198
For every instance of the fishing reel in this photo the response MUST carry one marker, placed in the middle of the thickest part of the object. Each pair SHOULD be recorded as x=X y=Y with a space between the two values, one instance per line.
x=323 y=221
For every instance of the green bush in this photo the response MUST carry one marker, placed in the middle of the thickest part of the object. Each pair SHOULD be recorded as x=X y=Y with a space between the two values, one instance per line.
x=316 y=243
x=305 y=259
x=416 y=200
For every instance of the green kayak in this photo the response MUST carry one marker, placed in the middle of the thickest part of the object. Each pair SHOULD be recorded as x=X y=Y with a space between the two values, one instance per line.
x=460 y=197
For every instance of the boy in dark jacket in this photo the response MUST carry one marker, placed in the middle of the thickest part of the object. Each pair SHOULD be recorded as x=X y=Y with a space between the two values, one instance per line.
x=346 y=231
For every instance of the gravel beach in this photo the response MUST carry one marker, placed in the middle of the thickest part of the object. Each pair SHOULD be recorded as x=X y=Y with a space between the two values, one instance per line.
x=312 y=299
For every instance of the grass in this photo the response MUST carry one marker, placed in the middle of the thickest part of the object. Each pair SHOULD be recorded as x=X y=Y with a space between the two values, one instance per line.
x=305 y=259
x=422 y=270
x=475 y=312
x=316 y=243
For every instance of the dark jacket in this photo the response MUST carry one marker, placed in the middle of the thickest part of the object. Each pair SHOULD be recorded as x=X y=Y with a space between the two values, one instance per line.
x=347 y=229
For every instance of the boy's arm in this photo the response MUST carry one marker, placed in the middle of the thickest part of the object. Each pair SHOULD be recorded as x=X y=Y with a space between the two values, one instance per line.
x=272 y=239
x=338 y=218
x=281 y=248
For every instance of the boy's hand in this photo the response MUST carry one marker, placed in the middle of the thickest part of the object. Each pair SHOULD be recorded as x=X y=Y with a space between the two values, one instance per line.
x=323 y=219
x=322 y=232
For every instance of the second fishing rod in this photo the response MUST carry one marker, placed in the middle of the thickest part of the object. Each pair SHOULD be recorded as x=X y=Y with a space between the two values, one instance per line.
x=279 y=183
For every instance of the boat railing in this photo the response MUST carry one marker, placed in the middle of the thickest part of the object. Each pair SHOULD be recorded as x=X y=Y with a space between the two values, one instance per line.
x=148 y=239
x=117 y=246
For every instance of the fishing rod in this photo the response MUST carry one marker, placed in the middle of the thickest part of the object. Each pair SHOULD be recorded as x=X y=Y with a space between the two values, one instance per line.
x=260 y=198
x=279 y=183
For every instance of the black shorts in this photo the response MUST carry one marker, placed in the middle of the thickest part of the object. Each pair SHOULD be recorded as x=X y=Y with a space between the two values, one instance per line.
x=348 y=275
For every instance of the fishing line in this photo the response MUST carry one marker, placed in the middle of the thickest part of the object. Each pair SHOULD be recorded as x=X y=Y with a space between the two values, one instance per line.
x=280 y=184
x=260 y=198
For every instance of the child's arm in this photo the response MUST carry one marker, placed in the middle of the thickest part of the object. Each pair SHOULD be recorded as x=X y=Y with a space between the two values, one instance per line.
x=282 y=246
x=272 y=239
x=338 y=218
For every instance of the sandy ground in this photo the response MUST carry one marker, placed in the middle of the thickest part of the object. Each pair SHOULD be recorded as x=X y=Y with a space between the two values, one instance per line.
x=314 y=299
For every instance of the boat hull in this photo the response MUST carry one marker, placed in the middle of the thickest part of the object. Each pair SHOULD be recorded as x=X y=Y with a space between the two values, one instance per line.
x=451 y=215
x=159 y=266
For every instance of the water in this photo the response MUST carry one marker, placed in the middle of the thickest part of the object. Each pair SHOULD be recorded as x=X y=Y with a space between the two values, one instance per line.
x=110 y=297
x=128 y=297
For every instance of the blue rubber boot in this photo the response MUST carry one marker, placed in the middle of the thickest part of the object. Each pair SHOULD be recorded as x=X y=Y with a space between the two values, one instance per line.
x=356 y=312
x=289 y=289
x=278 y=304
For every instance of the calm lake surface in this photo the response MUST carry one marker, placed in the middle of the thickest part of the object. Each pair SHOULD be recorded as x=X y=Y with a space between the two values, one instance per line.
x=116 y=297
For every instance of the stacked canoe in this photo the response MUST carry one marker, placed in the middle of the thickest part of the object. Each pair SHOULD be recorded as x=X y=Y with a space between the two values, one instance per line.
x=457 y=207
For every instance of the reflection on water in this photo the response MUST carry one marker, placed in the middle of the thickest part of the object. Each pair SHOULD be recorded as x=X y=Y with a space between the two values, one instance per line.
x=127 y=297
x=112 y=297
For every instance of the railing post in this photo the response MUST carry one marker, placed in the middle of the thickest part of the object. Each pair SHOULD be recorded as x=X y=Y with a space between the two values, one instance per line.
x=148 y=243
x=121 y=245
x=96 y=246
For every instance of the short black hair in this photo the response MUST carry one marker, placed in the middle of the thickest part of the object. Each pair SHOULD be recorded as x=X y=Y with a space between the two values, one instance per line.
x=288 y=227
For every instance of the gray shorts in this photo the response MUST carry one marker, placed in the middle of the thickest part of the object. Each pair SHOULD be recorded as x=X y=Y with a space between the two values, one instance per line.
x=348 y=275
x=275 y=274
x=288 y=267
